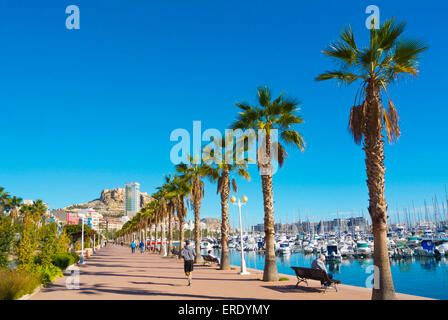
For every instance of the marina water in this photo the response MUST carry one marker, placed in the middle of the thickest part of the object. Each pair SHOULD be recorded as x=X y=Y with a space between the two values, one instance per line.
x=419 y=276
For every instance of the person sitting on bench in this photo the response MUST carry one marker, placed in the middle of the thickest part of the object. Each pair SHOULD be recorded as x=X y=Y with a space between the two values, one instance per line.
x=319 y=264
x=214 y=259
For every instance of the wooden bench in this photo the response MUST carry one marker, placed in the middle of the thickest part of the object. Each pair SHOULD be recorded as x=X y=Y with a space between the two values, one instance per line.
x=305 y=274
x=209 y=260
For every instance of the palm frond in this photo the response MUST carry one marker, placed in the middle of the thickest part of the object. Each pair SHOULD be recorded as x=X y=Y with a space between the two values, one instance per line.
x=342 y=76
x=264 y=96
x=342 y=52
x=219 y=187
x=357 y=122
x=234 y=186
x=388 y=34
x=294 y=138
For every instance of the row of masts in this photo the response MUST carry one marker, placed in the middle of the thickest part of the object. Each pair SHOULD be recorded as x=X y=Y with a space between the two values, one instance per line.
x=434 y=214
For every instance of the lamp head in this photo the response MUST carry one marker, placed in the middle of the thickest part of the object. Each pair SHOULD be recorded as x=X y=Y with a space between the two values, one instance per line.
x=244 y=199
x=232 y=199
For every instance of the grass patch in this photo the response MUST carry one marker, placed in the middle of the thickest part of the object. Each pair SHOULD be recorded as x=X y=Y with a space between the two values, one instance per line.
x=283 y=279
x=14 y=284
x=232 y=268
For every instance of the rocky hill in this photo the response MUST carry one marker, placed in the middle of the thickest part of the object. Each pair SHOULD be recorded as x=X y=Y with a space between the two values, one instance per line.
x=110 y=203
x=212 y=223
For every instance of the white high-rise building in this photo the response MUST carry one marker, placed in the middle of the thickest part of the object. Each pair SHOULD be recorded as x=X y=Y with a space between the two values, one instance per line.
x=132 y=199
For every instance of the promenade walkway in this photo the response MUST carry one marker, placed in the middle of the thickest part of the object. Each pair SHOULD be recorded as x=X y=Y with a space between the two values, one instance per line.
x=115 y=273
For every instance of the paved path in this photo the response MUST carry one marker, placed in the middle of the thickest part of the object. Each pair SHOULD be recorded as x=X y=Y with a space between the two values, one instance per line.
x=115 y=273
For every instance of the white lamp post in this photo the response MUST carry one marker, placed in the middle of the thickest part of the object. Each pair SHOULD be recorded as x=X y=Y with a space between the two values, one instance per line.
x=94 y=242
x=81 y=260
x=239 y=204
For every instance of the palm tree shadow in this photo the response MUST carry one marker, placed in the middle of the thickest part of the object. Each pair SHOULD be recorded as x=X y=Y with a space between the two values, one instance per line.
x=158 y=284
x=292 y=289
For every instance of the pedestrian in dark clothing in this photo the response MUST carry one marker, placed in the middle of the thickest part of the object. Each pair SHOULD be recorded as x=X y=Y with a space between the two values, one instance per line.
x=188 y=253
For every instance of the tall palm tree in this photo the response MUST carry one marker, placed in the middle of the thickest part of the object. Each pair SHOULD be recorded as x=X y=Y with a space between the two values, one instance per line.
x=226 y=168
x=147 y=215
x=155 y=218
x=161 y=197
x=279 y=114
x=180 y=191
x=382 y=62
x=194 y=172
x=171 y=207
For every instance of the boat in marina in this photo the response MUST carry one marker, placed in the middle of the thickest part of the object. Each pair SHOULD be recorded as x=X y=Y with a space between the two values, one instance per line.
x=284 y=248
x=333 y=253
x=413 y=241
x=362 y=248
x=205 y=245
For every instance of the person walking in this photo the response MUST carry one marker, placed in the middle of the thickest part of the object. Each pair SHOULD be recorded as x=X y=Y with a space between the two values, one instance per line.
x=133 y=246
x=188 y=253
x=142 y=246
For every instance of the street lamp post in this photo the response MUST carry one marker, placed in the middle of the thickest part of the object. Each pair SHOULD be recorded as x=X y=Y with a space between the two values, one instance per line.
x=94 y=251
x=81 y=260
x=239 y=204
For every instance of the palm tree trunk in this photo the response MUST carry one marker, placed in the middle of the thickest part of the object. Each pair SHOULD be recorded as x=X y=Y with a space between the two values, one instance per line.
x=225 y=191
x=162 y=243
x=146 y=230
x=170 y=231
x=156 y=235
x=270 y=263
x=181 y=232
x=383 y=287
x=197 y=236
x=150 y=235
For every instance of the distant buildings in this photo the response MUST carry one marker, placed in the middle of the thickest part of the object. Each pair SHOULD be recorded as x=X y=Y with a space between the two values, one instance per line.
x=72 y=218
x=113 y=223
x=132 y=199
x=349 y=224
x=92 y=218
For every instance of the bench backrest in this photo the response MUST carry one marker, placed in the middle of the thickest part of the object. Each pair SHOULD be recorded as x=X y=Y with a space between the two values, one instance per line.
x=308 y=273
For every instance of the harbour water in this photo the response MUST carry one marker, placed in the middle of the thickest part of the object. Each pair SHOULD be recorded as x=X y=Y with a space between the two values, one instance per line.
x=420 y=276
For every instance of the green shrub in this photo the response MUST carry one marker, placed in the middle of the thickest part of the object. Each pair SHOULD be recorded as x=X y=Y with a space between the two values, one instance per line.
x=47 y=273
x=63 y=260
x=14 y=284
x=75 y=257
x=6 y=240
x=283 y=279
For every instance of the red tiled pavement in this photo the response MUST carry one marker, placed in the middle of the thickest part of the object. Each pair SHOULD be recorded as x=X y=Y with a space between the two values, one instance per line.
x=115 y=273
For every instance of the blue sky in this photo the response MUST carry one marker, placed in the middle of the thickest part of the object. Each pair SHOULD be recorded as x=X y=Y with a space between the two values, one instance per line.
x=89 y=109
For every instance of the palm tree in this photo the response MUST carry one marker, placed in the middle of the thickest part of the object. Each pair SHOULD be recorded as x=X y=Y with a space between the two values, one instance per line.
x=161 y=197
x=171 y=207
x=4 y=199
x=39 y=210
x=180 y=191
x=194 y=172
x=376 y=66
x=147 y=214
x=14 y=204
x=226 y=170
x=154 y=206
x=279 y=114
